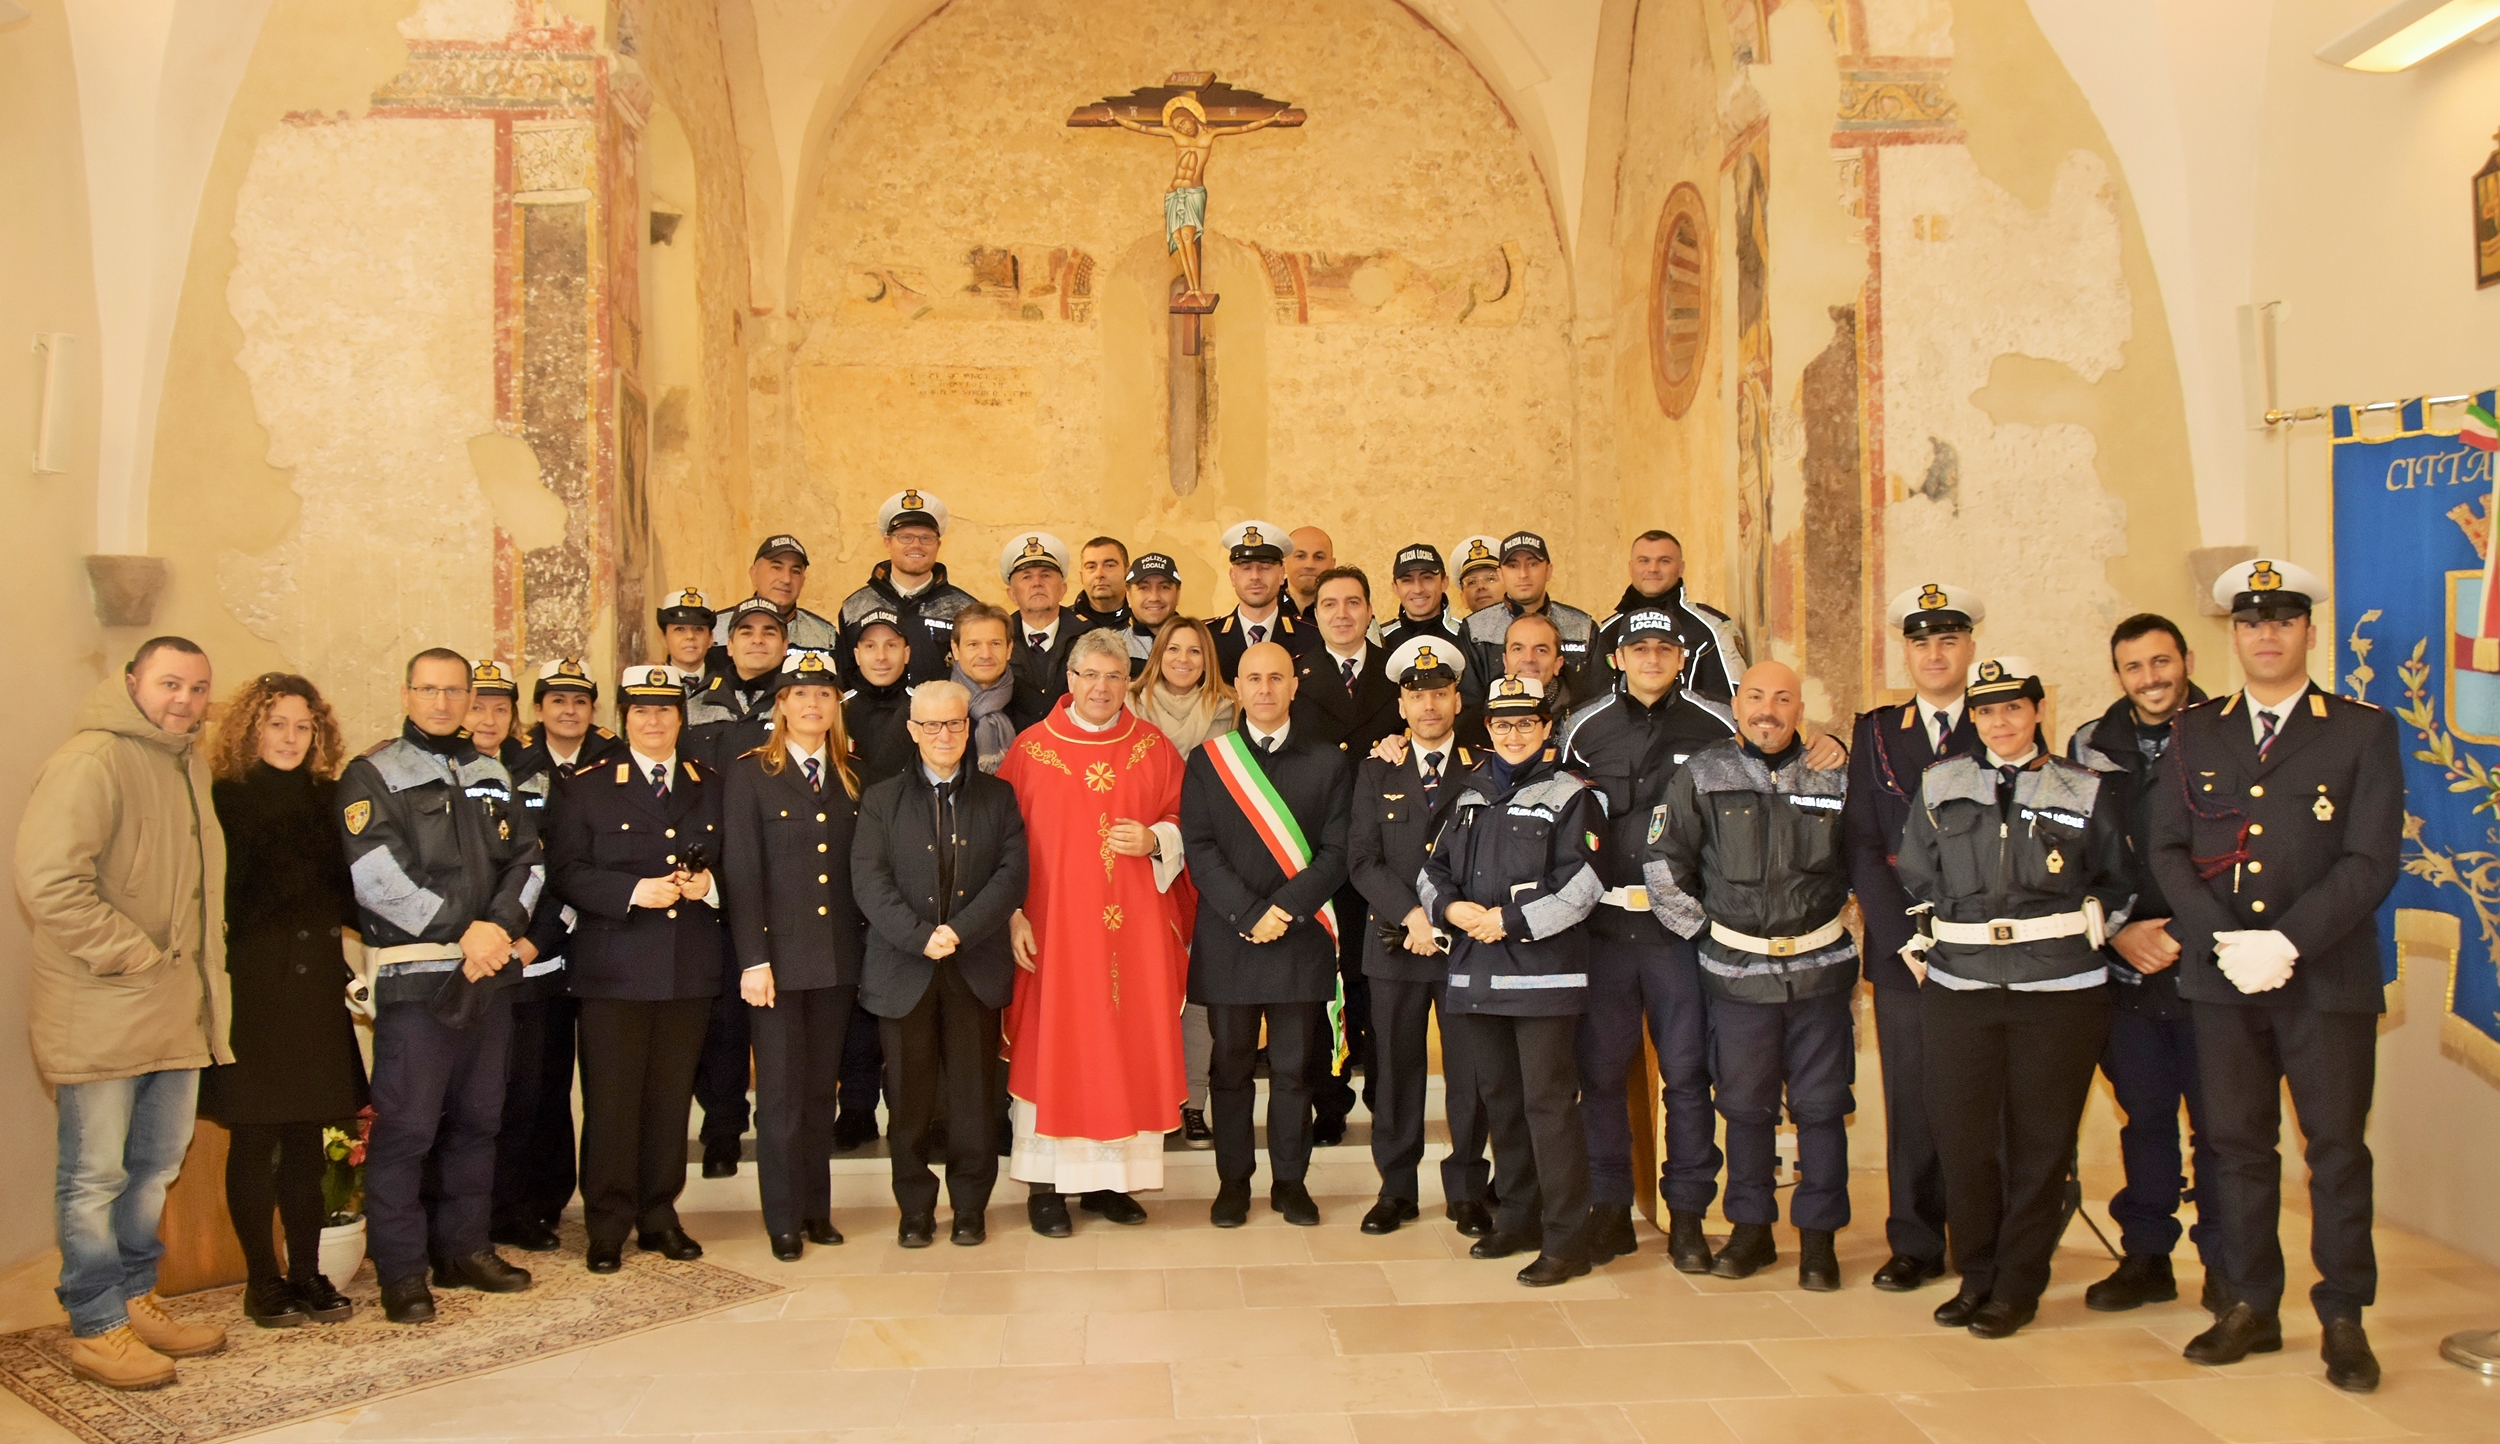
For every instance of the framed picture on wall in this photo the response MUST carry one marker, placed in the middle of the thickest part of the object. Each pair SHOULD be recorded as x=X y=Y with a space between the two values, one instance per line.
x=2487 y=221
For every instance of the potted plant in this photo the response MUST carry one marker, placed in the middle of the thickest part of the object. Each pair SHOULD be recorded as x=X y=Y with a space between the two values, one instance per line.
x=343 y=1199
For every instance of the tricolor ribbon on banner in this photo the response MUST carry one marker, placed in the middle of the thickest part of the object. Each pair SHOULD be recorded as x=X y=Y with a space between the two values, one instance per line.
x=1258 y=799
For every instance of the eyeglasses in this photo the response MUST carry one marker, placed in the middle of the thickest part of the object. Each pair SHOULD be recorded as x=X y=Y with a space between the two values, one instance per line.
x=1097 y=678
x=438 y=694
x=950 y=727
x=1514 y=727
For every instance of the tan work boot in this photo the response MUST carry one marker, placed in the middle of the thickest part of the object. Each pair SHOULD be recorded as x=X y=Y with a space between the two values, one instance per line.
x=168 y=1335
x=117 y=1359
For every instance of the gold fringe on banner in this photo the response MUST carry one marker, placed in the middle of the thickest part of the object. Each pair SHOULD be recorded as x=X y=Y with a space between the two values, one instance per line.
x=2434 y=937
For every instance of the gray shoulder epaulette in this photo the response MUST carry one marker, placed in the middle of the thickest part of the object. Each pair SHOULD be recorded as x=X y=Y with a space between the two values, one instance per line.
x=1549 y=792
x=2058 y=786
x=403 y=764
x=1956 y=779
x=1723 y=767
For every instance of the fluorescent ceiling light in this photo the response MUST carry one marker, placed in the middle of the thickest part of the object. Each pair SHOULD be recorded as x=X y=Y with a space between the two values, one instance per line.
x=2409 y=32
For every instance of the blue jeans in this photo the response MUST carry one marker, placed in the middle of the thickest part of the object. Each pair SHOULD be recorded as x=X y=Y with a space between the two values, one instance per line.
x=121 y=1143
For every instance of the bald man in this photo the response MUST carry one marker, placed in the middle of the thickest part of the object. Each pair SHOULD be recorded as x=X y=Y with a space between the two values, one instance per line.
x=1313 y=553
x=1748 y=862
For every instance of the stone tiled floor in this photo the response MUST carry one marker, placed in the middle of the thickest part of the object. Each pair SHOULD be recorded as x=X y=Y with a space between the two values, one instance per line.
x=1174 y=1331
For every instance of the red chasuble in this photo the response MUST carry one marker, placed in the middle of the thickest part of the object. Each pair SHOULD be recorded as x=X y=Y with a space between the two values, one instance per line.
x=1094 y=1033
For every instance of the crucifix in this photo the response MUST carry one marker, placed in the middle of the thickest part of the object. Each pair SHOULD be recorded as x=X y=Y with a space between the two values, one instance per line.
x=1192 y=111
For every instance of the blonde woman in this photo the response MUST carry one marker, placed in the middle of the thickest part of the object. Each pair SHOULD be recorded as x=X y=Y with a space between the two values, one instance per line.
x=276 y=759
x=790 y=809
x=1181 y=692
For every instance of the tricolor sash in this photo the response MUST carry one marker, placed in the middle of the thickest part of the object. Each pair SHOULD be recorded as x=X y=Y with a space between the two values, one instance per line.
x=1258 y=801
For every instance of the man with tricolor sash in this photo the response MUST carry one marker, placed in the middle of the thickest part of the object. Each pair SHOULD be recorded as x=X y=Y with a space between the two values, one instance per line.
x=1264 y=812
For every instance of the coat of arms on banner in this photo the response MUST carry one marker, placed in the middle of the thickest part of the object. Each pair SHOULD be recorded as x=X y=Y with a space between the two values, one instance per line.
x=2419 y=607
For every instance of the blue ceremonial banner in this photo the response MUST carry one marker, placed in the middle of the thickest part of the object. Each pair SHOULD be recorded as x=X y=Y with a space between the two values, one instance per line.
x=2413 y=514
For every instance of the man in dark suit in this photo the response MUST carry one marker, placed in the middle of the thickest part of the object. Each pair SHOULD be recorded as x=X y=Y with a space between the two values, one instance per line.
x=1343 y=696
x=633 y=852
x=1256 y=550
x=1264 y=812
x=1891 y=749
x=1398 y=806
x=940 y=868
x=2280 y=815
x=1034 y=566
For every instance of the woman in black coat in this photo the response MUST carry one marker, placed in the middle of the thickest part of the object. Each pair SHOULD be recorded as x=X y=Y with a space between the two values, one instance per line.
x=295 y=1068
x=789 y=810
x=632 y=851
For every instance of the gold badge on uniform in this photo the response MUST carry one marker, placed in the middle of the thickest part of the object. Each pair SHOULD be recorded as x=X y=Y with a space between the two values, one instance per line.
x=2323 y=809
x=2057 y=861
x=503 y=828
x=359 y=813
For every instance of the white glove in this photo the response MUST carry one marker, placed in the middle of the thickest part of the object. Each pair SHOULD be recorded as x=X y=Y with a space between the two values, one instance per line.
x=2255 y=962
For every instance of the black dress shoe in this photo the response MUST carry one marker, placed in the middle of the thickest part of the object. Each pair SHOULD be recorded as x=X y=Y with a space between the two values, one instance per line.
x=1292 y=1199
x=408 y=1300
x=1113 y=1206
x=322 y=1301
x=916 y=1232
x=484 y=1271
x=529 y=1236
x=821 y=1231
x=2215 y=1297
x=1387 y=1214
x=971 y=1229
x=2350 y=1365
x=854 y=1129
x=1328 y=1130
x=1818 y=1261
x=1231 y=1208
x=1474 y=1220
x=1500 y=1245
x=2142 y=1278
x=1609 y=1234
x=1687 y=1246
x=720 y=1159
x=1194 y=1130
x=1957 y=1311
x=670 y=1243
x=1545 y=1271
x=1049 y=1215
x=2240 y=1332
x=1903 y=1272
x=1997 y=1319
x=273 y=1304
x=606 y=1258
x=789 y=1247
x=1750 y=1249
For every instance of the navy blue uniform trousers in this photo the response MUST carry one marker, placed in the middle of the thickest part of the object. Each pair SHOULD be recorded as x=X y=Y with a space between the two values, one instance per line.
x=1808 y=1049
x=1658 y=984
x=438 y=1092
x=2151 y=1064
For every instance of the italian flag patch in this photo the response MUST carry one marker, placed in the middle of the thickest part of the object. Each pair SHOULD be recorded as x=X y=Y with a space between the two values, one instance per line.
x=2480 y=431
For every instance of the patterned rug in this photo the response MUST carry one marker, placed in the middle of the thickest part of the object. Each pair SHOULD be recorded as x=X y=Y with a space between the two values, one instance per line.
x=267 y=1377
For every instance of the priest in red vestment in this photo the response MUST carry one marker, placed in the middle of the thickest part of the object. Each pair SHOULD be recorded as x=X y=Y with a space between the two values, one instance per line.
x=1094 y=1075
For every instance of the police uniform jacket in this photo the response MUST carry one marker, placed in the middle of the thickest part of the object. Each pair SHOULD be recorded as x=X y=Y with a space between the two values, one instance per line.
x=2303 y=841
x=928 y=855
x=1713 y=657
x=1284 y=630
x=729 y=715
x=611 y=832
x=1043 y=673
x=2107 y=744
x=1530 y=848
x=1975 y=858
x=434 y=843
x=1386 y=843
x=1489 y=628
x=1238 y=879
x=1888 y=754
x=1752 y=843
x=1087 y=618
x=786 y=873
x=927 y=621
x=1353 y=721
x=1628 y=752
x=1439 y=626
x=536 y=780
x=876 y=720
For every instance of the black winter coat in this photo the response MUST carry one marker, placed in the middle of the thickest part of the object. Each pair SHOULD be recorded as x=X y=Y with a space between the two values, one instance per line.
x=897 y=874
x=1756 y=849
x=1528 y=848
x=874 y=719
x=2108 y=745
x=288 y=898
x=786 y=875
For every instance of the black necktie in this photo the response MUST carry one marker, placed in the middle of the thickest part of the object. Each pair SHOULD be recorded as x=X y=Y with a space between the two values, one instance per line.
x=2266 y=724
x=1432 y=779
x=1268 y=744
x=1040 y=642
x=659 y=779
x=1936 y=722
x=1255 y=634
x=2005 y=799
x=810 y=766
x=1348 y=668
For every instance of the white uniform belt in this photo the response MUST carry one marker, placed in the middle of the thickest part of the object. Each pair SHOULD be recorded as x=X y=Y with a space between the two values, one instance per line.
x=1823 y=936
x=416 y=953
x=2000 y=931
x=1633 y=899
